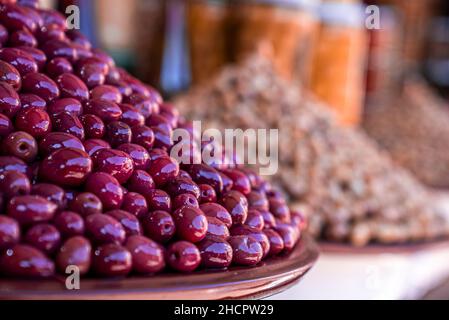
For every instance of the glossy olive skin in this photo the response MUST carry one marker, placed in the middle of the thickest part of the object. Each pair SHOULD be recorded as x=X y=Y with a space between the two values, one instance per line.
x=44 y=237
x=105 y=110
x=237 y=205
x=69 y=105
x=138 y=154
x=69 y=123
x=25 y=261
x=227 y=182
x=191 y=224
x=21 y=145
x=86 y=204
x=9 y=163
x=240 y=181
x=290 y=235
x=57 y=48
x=9 y=232
x=102 y=228
x=255 y=220
x=58 y=140
x=280 y=210
x=257 y=235
x=118 y=133
x=183 y=256
x=69 y=224
x=66 y=167
x=30 y=100
x=158 y=200
x=159 y=226
x=19 y=59
x=76 y=251
x=130 y=223
x=163 y=170
x=257 y=200
x=246 y=250
x=51 y=192
x=143 y=135
x=215 y=253
x=10 y=75
x=58 y=66
x=34 y=121
x=70 y=86
x=268 y=219
x=13 y=184
x=94 y=127
x=106 y=188
x=92 y=145
x=207 y=194
x=114 y=162
x=217 y=211
x=185 y=199
x=112 y=260
x=141 y=182
x=9 y=100
x=40 y=85
x=276 y=242
x=147 y=255
x=181 y=185
x=29 y=210
x=131 y=116
x=204 y=174
x=216 y=229
x=6 y=126
x=135 y=203
x=106 y=93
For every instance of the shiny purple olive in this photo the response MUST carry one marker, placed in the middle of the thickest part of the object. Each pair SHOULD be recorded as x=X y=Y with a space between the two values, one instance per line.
x=240 y=181
x=255 y=220
x=237 y=205
x=141 y=182
x=204 y=174
x=268 y=219
x=143 y=135
x=181 y=185
x=50 y=32
x=102 y=228
x=94 y=127
x=163 y=170
x=30 y=100
x=59 y=49
x=105 y=110
x=106 y=188
x=159 y=226
x=21 y=145
x=147 y=255
x=216 y=229
x=44 y=237
x=114 y=162
x=66 y=167
x=25 y=261
x=28 y=210
x=9 y=163
x=215 y=253
x=183 y=256
x=34 y=121
x=58 y=66
x=162 y=138
x=207 y=194
x=69 y=105
x=71 y=86
x=9 y=100
x=6 y=126
x=118 y=133
x=76 y=251
x=38 y=55
x=9 y=232
x=185 y=199
x=227 y=183
x=15 y=17
x=10 y=75
x=106 y=93
x=280 y=210
x=276 y=242
x=138 y=154
x=246 y=250
x=131 y=116
x=68 y=123
x=217 y=211
x=51 y=192
x=191 y=224
x=290 y=235
x=22 y=38
x=19 y=59
x=93 y=145
x=158 y=200
x=14 y=184
x=86 y=204
x=112 y=260
x=130 y=223
x=135 y=203
x=59 y=140
x=257 y=235
x=69 y=224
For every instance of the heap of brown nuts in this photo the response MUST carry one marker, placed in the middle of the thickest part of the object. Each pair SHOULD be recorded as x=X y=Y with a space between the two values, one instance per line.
x=86 y=177
x=353 y=191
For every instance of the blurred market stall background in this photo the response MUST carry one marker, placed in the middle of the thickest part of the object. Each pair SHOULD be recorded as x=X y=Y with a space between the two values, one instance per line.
x=391 y=82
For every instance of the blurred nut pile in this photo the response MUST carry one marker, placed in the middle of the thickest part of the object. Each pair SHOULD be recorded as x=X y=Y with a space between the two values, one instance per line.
x=415 y=130
x=355 y=192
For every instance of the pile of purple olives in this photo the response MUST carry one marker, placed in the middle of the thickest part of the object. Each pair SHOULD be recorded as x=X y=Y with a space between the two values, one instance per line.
x=86 y=178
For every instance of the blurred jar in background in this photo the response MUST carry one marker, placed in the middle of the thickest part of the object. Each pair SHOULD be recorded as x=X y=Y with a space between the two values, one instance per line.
x=285 y=29
x=207 y=24
x=385 y=66
x=339 y=62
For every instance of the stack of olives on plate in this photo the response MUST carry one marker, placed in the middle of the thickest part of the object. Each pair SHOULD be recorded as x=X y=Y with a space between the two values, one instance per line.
x=86 y=179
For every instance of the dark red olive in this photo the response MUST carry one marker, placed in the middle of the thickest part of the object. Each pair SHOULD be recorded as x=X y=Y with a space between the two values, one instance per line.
x=114 y=162
x=255 y=234
x=159 y=226
x=207 y=194
x=163 y=170
x=9 y=100
x=13 y=184
x=58 y=66
x=30 y=100
x=141 y=182
x=185 y=199
x=158 y=200
x=19 y=59
x=182 y=185
x=92 y=72
x=10 y=75
x=258 y=201
x=34 y=121
x=240 y=181
x=3 y=35
x=106 y=93
x=215 y=253
x=93 y=145
x=6 y=126
x=71 y=86
x=22 y=38
x=21 y=145
x=31 y=209
x=131 y=116
x=135 y=203
x=94 y=127
x=68 y=123
x=102 y=228
x=255 y=220
x=69 y=105
x=44 y=237
x=183 y=256
x=60 y=49
x=77 y=37
x=38 y=55
x=145 y=105
x=227 y=182
x=112 y=260
x=8 y=163
x=290 y=235
x=15 y=17
x=69 y=224
x=105 y=110
x=162 y=138
x=138 y=154
x=86 y=204
x=76 y=251
x=50 y=32
x=50 y=192
x=66 y=167
x=237 y=205
x=26 y=262
x=246 y=250
x=130 y=223
x=147 y=255
x=52 y=17
x=118 y=133
x=9 y=232
x=204 y=174
x=276 y=242
x=280 y=210
x=143 y=135
x=156 y=120
x=216 y=229
x=217 y=211
x=106 y=188
x=299 y=220
x=191 y=224
x=59 y=140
